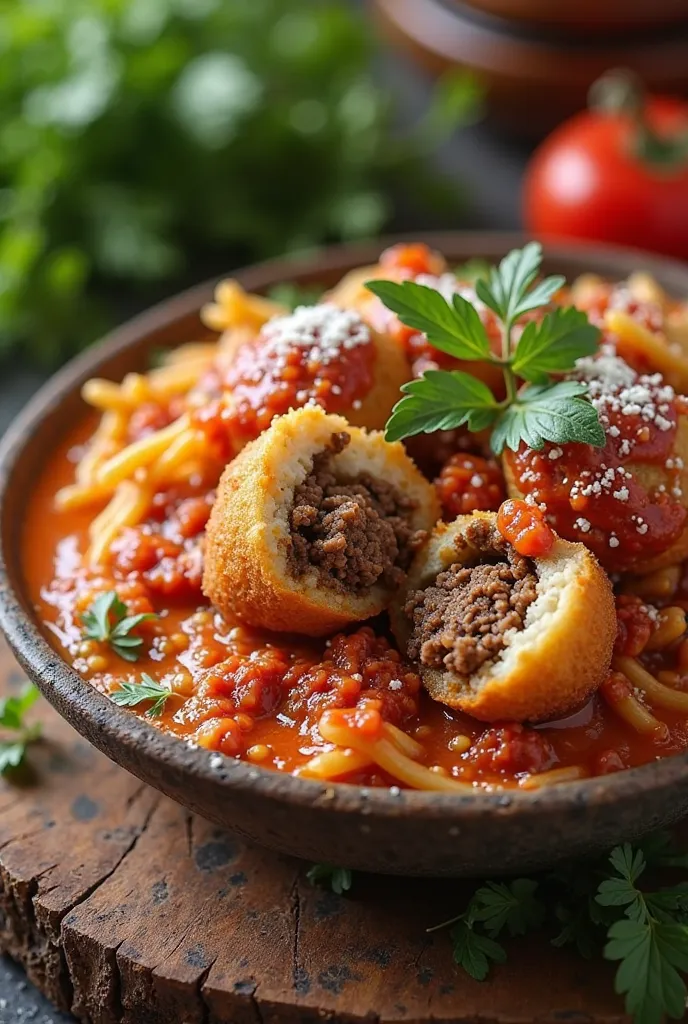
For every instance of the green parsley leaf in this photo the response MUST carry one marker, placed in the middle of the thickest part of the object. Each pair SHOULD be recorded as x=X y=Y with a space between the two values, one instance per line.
x=473 y=951
x=11 y=755
x=650 y=954
x=130 y=695
x=621 y=891
x=97 y=619
x=340 y=880
x=12 y=711
x=291 y=295
x=547 y=410
x=554 y=344
x=441 y=400
x=472 y=269
x=107 y=621
x=669 y=904
x=578 y=927
x=543 y=413
x=510 y=905
x=508 y=292
x=453 y=328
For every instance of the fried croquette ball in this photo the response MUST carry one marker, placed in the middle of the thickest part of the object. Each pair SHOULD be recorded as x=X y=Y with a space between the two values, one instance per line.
x=314 y=526
x=501 y=636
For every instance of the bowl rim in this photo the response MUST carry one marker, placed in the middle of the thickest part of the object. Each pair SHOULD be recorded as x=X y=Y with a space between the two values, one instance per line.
x=57 y=679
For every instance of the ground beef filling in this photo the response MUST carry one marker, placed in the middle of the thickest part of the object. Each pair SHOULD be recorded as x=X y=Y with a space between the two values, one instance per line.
x=460 y=622
x=356 y=534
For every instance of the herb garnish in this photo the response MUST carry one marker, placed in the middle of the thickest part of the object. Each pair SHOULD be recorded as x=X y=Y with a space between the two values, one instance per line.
x=646 y=932
x=339 y=879
x=131 y=694
x=107 y=621
x=546 y=410
x=12 y=711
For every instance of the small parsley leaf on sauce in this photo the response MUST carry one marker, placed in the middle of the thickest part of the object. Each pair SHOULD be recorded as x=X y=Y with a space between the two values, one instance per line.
x=107 y=621
x=340 y=880
x=545 y=409
x=129 y=695
x=12 y=711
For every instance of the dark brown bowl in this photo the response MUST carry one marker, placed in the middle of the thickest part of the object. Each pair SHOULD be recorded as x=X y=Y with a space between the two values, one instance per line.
x=585 y=18
x=413 y=833
x=533 y=78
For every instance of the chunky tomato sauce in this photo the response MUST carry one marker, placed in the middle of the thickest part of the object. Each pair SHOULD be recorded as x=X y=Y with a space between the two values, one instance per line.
x=624 y=499
x=259 y=697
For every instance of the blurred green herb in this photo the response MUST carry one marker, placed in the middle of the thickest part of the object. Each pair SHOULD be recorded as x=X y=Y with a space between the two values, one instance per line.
x=293 y=295
x=12 y=712
x=339 y=880
x=146 y=141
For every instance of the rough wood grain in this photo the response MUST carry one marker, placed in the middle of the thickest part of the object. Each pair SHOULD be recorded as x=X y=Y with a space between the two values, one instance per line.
x=125 y=909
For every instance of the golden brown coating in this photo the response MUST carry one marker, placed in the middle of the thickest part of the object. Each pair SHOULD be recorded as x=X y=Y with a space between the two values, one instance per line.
x=351 y=292
x=391 y=369
x=549 y=666
x=248 y=574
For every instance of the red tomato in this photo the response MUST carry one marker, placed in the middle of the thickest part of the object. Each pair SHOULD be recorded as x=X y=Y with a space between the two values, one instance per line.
x=614 y=177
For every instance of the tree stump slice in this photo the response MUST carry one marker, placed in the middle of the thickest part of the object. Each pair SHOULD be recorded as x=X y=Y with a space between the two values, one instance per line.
x=125 y=909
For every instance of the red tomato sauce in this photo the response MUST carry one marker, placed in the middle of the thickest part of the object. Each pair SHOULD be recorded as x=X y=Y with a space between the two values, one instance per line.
x=266 y=379
x=620 y=500
x=259 y=697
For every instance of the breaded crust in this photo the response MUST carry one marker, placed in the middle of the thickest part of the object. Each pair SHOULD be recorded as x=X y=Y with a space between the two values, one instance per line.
x=248 y=537
x=650 y=476
x=351 y=292
x=551 y=665
x=391 y=369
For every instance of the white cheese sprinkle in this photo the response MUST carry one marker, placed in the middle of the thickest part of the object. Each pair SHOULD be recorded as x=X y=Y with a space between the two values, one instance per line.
x=325 y=330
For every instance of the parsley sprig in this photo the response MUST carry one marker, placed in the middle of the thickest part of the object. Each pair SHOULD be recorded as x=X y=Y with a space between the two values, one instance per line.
x=12 y=712
x=129 y=695
x=107 y=621
x=339 y=880
x=598 y=907
x=544 y=410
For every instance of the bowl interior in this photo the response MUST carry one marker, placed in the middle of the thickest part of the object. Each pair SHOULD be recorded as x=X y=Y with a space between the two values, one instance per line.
x=236 y=793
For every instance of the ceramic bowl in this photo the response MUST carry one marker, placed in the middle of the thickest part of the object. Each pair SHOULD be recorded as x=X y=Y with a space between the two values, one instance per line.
x=412 y=833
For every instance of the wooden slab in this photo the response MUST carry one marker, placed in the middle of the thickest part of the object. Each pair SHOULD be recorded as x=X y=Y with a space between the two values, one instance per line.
x=126 y=909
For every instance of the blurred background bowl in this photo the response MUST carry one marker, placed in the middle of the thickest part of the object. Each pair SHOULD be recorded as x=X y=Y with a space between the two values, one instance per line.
x=536 y=73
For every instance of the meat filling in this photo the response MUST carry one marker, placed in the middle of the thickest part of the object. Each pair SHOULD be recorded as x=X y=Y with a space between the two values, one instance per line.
x=461 y=621
x=356 y=534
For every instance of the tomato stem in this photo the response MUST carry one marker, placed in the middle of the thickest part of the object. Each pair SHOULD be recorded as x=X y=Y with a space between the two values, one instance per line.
x=622 y=92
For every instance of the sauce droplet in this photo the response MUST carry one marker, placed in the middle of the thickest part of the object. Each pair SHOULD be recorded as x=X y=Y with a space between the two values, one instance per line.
x=524 y=527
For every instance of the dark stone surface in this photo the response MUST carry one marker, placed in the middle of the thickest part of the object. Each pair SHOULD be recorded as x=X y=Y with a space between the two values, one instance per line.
x=20 y=1003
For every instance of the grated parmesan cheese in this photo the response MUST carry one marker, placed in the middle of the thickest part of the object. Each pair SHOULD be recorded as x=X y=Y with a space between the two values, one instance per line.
x=325 y=330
